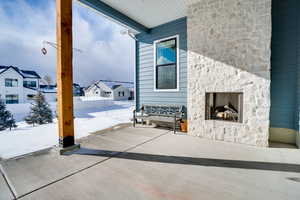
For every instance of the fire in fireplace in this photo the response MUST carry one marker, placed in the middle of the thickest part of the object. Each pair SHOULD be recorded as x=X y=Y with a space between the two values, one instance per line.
x=224 y=106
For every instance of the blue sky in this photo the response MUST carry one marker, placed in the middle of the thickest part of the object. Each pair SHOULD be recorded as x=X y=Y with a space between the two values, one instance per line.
x=25 y=24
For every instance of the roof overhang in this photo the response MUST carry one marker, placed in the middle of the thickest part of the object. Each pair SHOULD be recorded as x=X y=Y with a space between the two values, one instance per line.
x=141 y=15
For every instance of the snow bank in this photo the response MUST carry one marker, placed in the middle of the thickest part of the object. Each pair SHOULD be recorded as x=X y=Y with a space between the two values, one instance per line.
x=83 y=105
x=20 y=111
x=84 y=98
x=90 y=116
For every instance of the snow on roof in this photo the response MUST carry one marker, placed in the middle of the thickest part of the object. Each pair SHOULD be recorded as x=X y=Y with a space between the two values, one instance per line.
x=2 y=67
x=30 y=74
x=23 y=73
x=114 y=84
x=1 y=70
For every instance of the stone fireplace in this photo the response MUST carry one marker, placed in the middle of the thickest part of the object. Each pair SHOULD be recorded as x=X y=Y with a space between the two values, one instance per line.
x=229 y=63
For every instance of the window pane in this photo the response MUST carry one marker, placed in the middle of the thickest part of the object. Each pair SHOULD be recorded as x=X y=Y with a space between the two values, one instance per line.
x=8 y=83
x=33 y=84
x=166 y=52
x=12 y=99
x=11 y=82
x=29 y=84
x=166 y=77
x=15 y=82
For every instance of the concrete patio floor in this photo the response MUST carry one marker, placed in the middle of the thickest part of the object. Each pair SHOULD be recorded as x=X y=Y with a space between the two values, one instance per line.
x=147 y=163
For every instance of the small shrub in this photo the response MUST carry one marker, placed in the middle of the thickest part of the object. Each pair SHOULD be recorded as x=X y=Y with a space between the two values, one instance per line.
x=40 y=112
x=6 y=118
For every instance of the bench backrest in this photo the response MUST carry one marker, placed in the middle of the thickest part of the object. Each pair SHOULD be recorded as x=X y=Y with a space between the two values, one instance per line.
x=163 y=110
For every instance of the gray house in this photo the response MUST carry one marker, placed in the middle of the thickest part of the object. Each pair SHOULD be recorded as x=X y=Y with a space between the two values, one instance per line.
x=234 y=64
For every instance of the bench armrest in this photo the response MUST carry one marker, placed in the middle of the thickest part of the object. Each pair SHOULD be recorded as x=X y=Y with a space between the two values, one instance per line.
x=179 y=115
x=134 y=117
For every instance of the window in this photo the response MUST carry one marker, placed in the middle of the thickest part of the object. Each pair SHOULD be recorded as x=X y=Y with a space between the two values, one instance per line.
x=107 y=94
x=12 y=99
x=166 y=64
x=31 y=84
x=30 y=96
x=121 y=94
x=11 y=82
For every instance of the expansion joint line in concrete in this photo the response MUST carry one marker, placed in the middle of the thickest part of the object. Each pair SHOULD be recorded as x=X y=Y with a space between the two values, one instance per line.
x=90 y=166
x=8 y=183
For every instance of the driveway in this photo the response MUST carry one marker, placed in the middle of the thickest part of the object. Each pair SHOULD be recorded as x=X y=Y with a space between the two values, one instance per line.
x=147 y=163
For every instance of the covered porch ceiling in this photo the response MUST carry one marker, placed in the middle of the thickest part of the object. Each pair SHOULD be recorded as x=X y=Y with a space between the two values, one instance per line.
x=141 y=15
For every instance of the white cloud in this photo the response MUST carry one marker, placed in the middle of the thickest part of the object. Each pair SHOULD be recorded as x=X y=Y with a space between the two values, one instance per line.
x=106 y=53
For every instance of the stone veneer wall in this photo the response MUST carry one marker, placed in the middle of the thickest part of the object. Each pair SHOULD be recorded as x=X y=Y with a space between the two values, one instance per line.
x=229 y=51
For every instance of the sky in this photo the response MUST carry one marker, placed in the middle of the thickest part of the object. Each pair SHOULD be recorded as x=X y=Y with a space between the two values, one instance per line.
x=25 y=24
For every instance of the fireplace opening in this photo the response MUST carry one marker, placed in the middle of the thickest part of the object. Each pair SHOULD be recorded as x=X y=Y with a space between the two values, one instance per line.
x=224 y=106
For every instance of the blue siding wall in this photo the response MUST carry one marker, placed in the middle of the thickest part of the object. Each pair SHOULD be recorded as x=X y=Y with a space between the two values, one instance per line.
x=145 y=65
x=285 y=64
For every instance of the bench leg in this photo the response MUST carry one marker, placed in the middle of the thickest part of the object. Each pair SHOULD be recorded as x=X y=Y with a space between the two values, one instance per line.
x=175 y=124
x=134 y=119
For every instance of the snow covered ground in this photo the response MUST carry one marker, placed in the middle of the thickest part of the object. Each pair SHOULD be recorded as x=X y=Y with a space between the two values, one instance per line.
x=90 y=116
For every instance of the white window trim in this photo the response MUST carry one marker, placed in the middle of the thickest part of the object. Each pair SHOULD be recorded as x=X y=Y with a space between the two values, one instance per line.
x=177 y=64
x=13 y=79
x=17 y=95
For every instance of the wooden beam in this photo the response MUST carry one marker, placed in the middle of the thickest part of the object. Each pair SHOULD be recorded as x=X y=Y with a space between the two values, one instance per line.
x=64 y=72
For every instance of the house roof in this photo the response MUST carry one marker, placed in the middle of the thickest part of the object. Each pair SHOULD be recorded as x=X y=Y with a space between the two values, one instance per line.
x=23 y=73
x=76 y=85
x=47 y=86
x=112 y=84
x=30 y=74
x=141 y=15
x=115 y=84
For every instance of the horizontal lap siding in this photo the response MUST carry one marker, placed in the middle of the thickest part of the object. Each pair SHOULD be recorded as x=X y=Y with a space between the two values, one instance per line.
x=298 y=69
x=285 y=64
x=145 y=65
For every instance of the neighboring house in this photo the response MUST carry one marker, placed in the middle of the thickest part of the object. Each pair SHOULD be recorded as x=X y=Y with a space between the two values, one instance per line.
x=77 y=90
x=234 y=65
x=18 y=86
x=49 y=92
x=116 y=90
